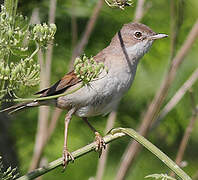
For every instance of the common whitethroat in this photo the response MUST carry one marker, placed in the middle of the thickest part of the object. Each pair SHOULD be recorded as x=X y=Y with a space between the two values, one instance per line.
x=103 y=94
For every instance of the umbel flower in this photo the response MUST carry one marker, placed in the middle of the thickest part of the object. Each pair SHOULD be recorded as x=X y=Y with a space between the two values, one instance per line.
x=87 y=69
x=19 y=43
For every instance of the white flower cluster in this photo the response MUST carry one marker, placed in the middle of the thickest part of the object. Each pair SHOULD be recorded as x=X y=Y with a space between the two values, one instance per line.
x=20 y=75
x=18 y=69
x=87 y=69
x=12 y=33
x=43 y=34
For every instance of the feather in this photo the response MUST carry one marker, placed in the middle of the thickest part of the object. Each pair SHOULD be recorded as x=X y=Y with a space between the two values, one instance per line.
x=21 y=106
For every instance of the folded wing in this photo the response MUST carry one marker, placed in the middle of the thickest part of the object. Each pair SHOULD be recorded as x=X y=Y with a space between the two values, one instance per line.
x=60 y=86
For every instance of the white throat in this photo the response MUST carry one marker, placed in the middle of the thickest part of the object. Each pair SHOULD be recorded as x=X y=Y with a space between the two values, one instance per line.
x=138 y=50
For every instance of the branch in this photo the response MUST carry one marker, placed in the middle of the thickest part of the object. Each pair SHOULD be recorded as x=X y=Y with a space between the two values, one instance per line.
x=157 y=102
x=88 y=30
x=139 y=12
x=43 y=115
x=185 y=139
x=74 y=26
x=187 y=133
x=52 y=125
x=39 y=135
x=114 y=134
x=177 y=97
x=176 y=14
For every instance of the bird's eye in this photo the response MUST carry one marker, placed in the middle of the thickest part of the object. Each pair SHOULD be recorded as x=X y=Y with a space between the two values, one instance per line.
x=138 y=34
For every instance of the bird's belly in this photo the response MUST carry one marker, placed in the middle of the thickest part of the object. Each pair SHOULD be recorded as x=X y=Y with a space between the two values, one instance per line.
x=99 y=97
x=100 y=107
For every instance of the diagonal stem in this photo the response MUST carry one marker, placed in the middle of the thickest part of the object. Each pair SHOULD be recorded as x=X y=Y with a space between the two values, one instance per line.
x=114 y=134
x=176 y=98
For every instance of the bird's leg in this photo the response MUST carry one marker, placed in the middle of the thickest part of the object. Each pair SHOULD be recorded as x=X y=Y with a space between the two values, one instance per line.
x=98 y=138
x=66 y=153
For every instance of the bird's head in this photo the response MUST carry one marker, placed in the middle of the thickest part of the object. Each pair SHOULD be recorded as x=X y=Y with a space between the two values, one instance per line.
x=136 y=39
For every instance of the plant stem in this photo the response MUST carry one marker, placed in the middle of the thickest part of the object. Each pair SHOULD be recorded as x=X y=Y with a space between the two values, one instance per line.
x=15 y=8
x=9 y=6
x=76 y=154
x=114 y=134
x=154 y=150
x=176 y=98
x=48 y=97
x=34 y=53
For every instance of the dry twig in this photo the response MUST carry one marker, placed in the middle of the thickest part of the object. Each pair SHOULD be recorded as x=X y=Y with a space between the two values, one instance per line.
x=139 y=12
x=41 y=135
x=55 y=115
x=74 y=26
x=187 y=134
x=88 y=30
x=177 y=97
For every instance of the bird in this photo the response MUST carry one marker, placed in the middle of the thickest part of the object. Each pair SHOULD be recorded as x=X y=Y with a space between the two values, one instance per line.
x=101 y=95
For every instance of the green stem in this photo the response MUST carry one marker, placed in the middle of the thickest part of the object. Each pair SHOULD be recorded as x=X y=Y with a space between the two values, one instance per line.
x=48 y=97
x=9 y=6
x=2 y=86
x=76 y=154
x=153 y=149
x=114 y=134
x=15 y=8
x=34 y=53
x=11 y=9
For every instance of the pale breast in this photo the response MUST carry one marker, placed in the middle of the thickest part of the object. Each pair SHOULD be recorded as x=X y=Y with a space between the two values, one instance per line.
x=100 y=96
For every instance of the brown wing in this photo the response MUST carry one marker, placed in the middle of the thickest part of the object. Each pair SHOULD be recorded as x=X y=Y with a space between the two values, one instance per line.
x=59 y=87
x=68 y=80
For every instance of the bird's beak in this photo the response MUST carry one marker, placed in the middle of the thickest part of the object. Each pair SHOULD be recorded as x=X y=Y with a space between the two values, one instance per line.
x=158 y=36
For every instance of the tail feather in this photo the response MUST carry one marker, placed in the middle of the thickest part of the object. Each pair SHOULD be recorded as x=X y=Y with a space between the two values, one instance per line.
x=19 y=107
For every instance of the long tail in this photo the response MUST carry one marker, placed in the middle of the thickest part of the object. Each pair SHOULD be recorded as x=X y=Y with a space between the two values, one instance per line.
x=21 y=106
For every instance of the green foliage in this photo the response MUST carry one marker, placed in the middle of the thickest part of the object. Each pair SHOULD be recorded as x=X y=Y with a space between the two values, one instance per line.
x=13 y=32
x=19 y=76
x=18 y=69
x=8 y=174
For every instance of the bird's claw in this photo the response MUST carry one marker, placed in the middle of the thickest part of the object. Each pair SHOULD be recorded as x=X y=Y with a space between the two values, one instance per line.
x=100 y=144
x=66 y=157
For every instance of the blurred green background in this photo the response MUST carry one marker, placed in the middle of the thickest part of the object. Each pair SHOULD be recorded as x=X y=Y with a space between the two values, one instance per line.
x=150 y=73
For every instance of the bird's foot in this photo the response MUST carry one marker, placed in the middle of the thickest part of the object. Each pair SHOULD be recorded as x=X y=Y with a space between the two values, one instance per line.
x=66 y=157
x=100 y=143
